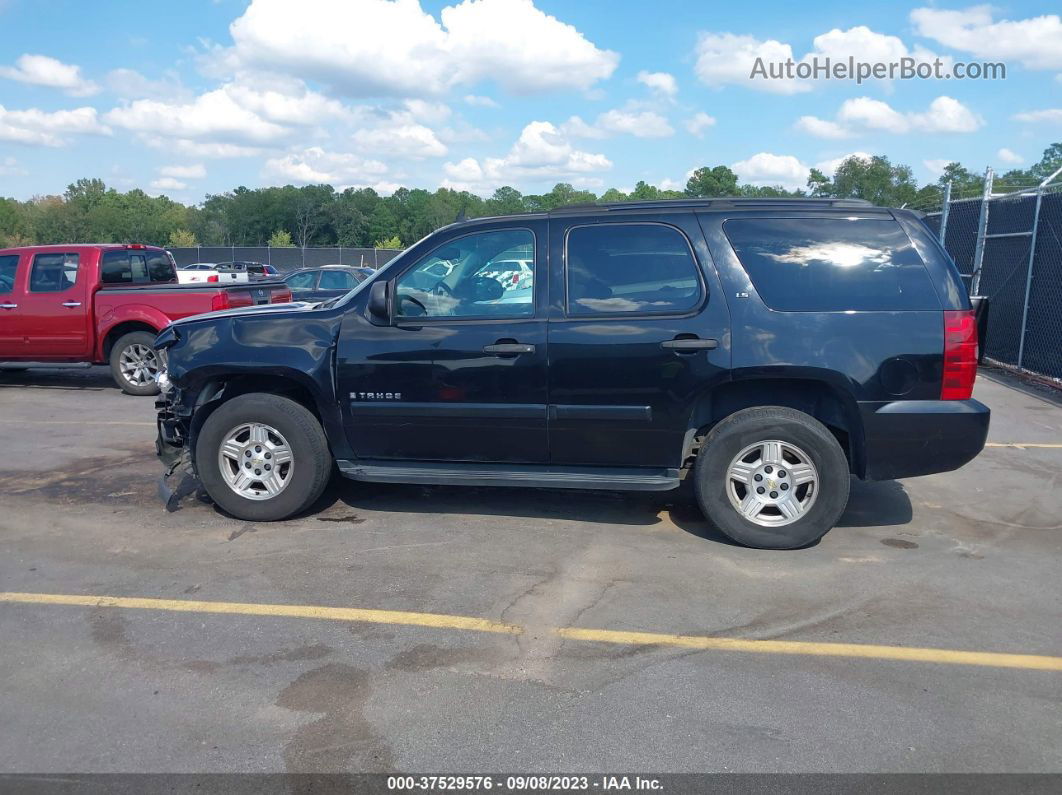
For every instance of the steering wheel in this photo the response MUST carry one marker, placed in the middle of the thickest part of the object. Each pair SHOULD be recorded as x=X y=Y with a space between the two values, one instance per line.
x=442 y=289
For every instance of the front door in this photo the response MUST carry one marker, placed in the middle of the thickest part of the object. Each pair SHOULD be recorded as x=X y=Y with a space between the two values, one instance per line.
x=639 y=331
x=54 y=308
x=460 y=372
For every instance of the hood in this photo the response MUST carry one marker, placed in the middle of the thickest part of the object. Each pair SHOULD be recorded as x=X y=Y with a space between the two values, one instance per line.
x=251 y=311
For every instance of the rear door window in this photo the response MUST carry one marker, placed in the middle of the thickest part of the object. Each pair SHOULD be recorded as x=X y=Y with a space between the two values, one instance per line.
x=630 y=269
x=53 y=273
x=302 y=281
x=8 y=268
x=831 y=264
x=337 y=280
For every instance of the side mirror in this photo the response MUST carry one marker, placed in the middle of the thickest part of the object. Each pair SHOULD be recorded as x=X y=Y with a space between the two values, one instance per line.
x=379 y=303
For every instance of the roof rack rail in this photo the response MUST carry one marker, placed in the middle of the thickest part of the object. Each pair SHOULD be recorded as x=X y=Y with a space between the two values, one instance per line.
x=722 y=202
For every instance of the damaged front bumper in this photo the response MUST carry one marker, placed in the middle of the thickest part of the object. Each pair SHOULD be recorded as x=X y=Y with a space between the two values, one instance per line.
x=179 y=479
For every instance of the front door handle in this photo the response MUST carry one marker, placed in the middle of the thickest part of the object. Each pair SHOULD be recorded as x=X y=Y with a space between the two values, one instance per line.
x=71 y=304
x=690 y=345
x=8 y=306
x=508 y=348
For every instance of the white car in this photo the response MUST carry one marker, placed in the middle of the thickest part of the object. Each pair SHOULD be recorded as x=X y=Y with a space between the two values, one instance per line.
x=208 y=272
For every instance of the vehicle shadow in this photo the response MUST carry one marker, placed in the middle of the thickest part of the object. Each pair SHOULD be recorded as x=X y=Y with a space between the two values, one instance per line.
x=80 y=378
x=870 y=504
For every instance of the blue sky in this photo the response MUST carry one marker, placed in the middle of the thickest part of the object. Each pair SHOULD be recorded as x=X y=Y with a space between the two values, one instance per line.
x=197 y=97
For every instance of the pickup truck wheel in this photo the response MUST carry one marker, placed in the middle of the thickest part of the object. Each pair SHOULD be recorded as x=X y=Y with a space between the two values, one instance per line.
x=263 y=457
x=772 y=478
x=134 y=363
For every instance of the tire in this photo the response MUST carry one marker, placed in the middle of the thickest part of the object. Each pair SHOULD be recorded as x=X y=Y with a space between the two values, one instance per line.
x=137 y=346
x=293 y=427
x=795 y=517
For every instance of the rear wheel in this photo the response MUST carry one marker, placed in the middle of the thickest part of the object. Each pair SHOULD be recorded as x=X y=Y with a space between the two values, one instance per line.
x=263 y=457
x=772 y=478
x=134 y=363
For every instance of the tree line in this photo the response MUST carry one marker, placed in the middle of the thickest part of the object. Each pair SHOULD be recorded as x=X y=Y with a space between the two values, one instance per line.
x=319 y=215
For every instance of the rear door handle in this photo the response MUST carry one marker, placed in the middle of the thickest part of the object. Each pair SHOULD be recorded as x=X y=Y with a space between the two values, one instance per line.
x=508 y=348
x=690 y=345
x=71 y=304
x=8 y=306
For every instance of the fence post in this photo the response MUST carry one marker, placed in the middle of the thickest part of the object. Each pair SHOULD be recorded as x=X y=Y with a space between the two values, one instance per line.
x=340 y=255
x=376 y=258
x=982 y=230
x=944 y=210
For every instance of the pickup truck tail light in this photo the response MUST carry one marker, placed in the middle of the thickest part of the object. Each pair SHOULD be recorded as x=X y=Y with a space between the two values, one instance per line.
x=212 y=277
x=281 y=296
x=233 y=300
x=960 y=355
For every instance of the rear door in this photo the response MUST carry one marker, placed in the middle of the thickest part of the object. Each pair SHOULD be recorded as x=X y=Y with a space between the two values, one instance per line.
x=12 y=334
x=638 y=331
x=55 y=307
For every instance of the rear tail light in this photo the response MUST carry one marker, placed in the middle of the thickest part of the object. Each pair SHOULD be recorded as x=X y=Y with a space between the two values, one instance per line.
x=212 y=277
x=228 y=300
x=281 y=296
x=960 y=354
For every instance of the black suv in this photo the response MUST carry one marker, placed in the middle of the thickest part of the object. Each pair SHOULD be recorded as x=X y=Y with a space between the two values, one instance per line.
x=768 y=349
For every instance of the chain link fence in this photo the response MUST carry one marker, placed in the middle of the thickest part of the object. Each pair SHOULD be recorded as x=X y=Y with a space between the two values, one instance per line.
x=1021 y=272
x=287 y=259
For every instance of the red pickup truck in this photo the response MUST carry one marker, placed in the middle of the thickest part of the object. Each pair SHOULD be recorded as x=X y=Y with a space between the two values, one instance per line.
x=104 y=304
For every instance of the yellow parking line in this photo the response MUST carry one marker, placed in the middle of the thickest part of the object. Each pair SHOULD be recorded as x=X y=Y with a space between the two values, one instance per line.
x=1031 y=662
x=437 y=620
x=75 y=422
x=867 y=651
x=1023 y=445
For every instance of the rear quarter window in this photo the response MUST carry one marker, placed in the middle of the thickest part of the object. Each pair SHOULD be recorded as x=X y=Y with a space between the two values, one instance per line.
x=832 y=264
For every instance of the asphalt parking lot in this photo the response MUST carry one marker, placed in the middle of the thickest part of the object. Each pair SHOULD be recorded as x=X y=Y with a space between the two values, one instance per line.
x=492 y=628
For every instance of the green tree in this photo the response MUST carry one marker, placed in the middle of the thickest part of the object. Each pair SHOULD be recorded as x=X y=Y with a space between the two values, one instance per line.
x=391 y=242
x=875 y=179
x=281 y=238
x=708 y=182
x=182 y=238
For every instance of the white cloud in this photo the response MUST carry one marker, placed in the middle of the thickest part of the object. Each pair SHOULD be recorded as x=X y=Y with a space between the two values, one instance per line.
x=1035 y=42
x=724 y=58
x=209 y=149
x=728 y=59
x=1009 y=156
x=236 y=113
x=478 y=101
x=168 y=183
x=196 y=171
x=400 y=140
x=671 y=184
x=828 y=167
x=315 y=165
x=765 y=168
x=643 y=124
x=861 y=114
x=627 y=121
x=381 y=48
x=1052 y=115
x=822 y=128
x=541 y=151
x=936 y=165
x=42 y=70
x=660 y=82
x=41 y=128
x=10 y=167
x=130 y=84
x=699 y=122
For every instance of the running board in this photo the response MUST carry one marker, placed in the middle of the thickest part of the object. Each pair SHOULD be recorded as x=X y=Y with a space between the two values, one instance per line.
x=527 y=475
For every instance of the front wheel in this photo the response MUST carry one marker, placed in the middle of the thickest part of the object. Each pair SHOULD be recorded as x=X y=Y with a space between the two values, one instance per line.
x=263 y=457
x=134 y=363
x=772 y=478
